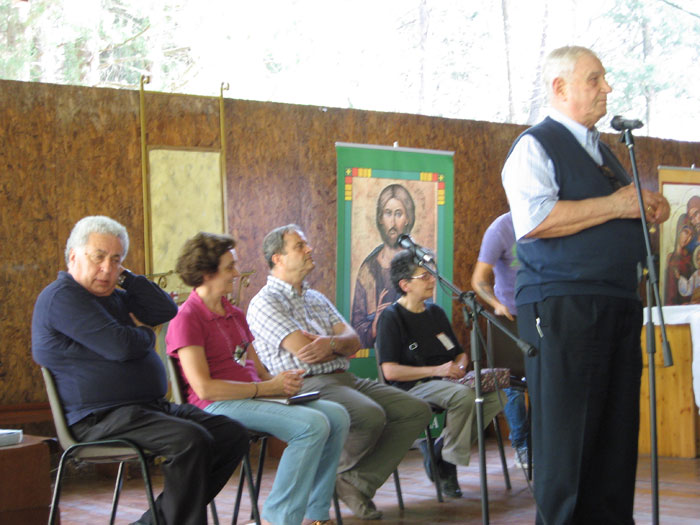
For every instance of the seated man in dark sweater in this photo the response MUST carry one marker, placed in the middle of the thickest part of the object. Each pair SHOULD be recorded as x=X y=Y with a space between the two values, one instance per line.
x=97 y=342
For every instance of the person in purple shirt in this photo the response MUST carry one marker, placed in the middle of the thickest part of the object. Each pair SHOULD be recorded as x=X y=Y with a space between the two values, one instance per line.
x=92 y=329
x=494 y=281
x=211 y=340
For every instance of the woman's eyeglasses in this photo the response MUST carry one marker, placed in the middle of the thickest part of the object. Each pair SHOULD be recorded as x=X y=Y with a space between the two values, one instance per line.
x=425 y=276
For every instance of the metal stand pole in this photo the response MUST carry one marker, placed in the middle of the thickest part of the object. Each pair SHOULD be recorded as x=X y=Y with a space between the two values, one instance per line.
x=472 y=310
x=652 y=294
x=471 y=317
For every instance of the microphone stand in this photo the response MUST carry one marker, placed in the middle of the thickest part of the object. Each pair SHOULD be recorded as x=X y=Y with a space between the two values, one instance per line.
x=652 y=292
x=472 y=309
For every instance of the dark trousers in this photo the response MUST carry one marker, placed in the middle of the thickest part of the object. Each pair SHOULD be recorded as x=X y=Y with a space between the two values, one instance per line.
x=201 y=451
x=584 y=392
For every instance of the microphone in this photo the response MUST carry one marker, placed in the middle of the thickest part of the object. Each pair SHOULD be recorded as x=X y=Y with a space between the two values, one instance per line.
x=622 y=124
x=423 y=255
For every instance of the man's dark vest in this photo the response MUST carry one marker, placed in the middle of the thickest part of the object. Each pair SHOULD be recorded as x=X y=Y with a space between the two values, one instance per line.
x=601 y=260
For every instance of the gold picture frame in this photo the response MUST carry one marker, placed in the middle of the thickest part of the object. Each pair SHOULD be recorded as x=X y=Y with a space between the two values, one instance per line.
x=679 y=244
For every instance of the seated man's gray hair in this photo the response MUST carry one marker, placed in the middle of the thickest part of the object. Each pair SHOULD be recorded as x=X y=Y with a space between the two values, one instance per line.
x=274 y=241
x=80 y=233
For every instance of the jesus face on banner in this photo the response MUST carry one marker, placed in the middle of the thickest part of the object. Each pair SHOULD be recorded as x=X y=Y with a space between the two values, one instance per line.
x=399 y=206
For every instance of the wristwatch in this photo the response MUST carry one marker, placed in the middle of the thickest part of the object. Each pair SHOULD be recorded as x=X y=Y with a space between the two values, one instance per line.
x=333 y=347
x=121 y=280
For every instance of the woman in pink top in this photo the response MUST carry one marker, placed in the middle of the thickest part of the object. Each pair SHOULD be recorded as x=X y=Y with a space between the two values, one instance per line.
x=210 y=338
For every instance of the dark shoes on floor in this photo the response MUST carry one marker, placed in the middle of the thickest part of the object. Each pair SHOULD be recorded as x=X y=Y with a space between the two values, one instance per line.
x=521 y=457
x=362 y=506
x=447 y=472
x=448 y=480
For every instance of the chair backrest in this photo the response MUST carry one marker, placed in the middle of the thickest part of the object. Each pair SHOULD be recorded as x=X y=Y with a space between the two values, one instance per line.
x=504 y=355
x=380 y=374
x=176 y=386
x=65 y=437
x=107 y=450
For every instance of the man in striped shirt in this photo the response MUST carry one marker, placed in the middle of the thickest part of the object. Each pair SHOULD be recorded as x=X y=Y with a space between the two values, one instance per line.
x=298 y=327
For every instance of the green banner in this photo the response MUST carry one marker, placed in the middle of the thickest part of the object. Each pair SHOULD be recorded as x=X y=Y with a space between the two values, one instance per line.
x=382 y=193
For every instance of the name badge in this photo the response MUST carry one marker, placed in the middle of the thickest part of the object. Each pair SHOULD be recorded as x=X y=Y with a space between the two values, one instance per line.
x=239 y=354
x=446 y=341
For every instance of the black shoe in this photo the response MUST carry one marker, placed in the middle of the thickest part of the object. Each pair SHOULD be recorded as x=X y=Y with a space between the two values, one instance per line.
x=450 y=488
x=437 y=446
x=448 y=480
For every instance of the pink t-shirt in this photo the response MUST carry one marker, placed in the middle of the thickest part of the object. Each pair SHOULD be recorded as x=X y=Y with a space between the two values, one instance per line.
x=196 y=325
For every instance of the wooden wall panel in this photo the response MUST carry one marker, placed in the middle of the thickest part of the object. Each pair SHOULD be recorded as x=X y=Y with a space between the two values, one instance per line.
x=98 y=162
x=70 y=151
x=181 y=121
x=28 y=254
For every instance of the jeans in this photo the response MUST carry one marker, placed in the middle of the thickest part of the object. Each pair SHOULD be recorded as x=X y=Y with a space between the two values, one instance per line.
x=516 y=415
x=315 y=433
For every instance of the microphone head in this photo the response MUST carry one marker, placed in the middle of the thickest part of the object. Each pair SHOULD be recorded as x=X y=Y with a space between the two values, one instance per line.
x=620 y=123
x=616 y=123
x=404 y=240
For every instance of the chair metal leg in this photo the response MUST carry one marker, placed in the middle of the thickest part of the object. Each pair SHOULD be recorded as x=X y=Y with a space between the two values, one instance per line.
x=214 y=514
x=117 y=491
x=397 y=484
x=117 y=487
x=239 y=495
x=504 y=464
x=57 y=490
x=261 y=465
x=336 y=505
x=252 y=489
x=433 y=463
x=149 y=486
x=529 y=445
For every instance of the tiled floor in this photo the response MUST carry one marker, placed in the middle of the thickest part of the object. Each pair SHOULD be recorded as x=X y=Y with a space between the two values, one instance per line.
x=88 y=501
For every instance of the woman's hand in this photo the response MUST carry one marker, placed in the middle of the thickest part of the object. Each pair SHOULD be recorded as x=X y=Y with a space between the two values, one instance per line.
x=450 y=369
x=286 y=383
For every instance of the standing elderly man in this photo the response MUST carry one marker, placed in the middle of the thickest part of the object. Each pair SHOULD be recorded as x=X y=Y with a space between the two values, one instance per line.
x=297 y=327
x=98 y=343
x=396 y=214
x=577 y=222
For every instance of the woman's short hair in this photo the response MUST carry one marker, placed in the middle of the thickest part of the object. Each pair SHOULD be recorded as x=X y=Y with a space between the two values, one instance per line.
x=200 y=256
x=403 y=266
x=274 y=241
x=80 y=234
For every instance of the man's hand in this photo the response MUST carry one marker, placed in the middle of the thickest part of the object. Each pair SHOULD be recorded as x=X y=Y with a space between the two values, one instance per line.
x=501 y=309
x=482 y=282
x=570 y=217
x=136 y=321
x=656 y=206
x=318 y=350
